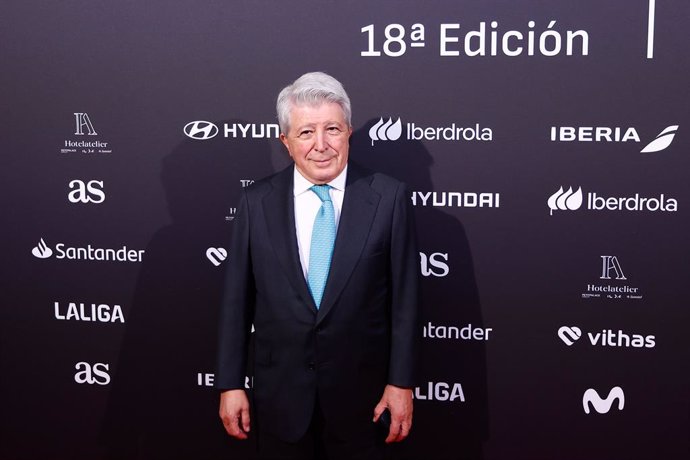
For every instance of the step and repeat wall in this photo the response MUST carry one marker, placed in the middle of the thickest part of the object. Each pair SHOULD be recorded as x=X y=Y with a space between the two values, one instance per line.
x=545 y=145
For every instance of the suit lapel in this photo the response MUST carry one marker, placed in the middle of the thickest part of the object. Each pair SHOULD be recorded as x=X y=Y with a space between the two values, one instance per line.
x=279 y=210
x=359 y=208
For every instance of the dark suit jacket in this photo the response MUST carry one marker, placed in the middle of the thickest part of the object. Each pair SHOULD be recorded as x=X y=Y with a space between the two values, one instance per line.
x=365 y=333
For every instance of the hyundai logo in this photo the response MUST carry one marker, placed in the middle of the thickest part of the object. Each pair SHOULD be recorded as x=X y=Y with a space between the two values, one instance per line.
x=201 y=130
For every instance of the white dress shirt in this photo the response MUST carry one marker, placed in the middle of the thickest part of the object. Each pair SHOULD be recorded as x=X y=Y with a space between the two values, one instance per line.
x=307 y=205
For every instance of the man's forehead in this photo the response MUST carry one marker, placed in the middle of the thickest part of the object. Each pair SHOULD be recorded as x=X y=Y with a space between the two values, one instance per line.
x=317 y=112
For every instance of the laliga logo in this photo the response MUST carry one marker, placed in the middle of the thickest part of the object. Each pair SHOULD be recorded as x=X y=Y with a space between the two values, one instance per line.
x=662 y=141
x=216 y=255
x=565 y=200
x=387 y=131
x=200 y=130
x=42 y=251
x=603 y=406
x=569 y=335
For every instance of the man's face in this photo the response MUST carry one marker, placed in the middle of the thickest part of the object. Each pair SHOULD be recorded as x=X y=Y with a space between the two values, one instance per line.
x=318 y=141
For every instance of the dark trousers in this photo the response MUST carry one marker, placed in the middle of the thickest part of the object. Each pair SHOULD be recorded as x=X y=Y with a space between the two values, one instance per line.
x=321 y=444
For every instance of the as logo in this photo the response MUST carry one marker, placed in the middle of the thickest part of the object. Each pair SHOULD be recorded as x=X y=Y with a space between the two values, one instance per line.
x=385 y=131
x=200 y=130
x=86 y=192
x=434 y=264
x=92 y=374
x=42 y=251
x=83 y=122
x=216 y=255
x=603 y=406
x=610 y=264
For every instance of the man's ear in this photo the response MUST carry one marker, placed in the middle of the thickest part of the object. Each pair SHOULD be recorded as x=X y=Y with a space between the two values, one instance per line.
x=283 y=139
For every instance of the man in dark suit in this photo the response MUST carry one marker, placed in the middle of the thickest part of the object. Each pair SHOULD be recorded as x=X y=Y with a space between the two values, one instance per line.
x=323 y=263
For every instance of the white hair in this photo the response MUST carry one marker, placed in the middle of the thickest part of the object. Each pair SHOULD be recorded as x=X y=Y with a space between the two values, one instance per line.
x=312 y=88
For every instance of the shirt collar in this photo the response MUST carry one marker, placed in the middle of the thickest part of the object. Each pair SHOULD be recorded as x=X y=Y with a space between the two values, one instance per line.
x=302 y=185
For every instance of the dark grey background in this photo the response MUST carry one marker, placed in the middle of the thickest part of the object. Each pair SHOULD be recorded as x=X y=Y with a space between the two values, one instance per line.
x=143 y=70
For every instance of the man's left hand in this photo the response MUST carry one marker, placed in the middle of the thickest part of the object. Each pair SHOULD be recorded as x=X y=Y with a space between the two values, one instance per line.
x=399 y=403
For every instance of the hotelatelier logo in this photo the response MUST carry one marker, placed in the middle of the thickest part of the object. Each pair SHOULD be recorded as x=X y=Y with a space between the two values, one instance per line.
x=612 y=134
x=392 y=131
x=62 y=251
x=573 y=199
x=83 y=121
x=603 y=406
x=84 y=127
x=611 y=271
x=201 y=130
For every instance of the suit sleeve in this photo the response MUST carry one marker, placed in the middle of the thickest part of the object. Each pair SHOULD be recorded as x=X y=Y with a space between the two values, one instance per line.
x=404 y=294
x=237 y=307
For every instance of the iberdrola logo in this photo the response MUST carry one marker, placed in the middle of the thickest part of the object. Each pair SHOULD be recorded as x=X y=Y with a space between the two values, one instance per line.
x=385 y=131
x=565 y=200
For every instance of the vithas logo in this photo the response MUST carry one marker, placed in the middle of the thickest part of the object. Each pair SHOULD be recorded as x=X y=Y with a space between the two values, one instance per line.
x=603 y=406
x=565 y=200
x=607 y=338
x=569 y=335
x=42 y=251
x=216 y=255
x=385 y=131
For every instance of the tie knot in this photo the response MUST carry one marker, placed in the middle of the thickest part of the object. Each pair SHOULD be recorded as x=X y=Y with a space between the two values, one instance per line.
x=322 y=192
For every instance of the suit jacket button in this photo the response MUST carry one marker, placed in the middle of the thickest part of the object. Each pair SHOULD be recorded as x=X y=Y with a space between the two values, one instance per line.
x=311 y=366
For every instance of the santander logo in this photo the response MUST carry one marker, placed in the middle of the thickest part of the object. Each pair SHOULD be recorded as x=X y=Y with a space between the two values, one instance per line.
x=42 y=251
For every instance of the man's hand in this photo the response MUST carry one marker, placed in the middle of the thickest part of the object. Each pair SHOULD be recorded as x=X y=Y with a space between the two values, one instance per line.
x=234 y=411
x=399 y=403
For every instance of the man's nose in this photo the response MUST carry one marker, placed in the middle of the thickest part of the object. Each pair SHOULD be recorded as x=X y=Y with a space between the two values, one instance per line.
x=320 y=142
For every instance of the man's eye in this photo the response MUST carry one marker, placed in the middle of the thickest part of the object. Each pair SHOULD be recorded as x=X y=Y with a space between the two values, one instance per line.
x=333 y=129
x=305 y=133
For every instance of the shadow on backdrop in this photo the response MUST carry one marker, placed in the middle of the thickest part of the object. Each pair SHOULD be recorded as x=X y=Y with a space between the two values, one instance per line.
x=450 y=300
x=160 y=405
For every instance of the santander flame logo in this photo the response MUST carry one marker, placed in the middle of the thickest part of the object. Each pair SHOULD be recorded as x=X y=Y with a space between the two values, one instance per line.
x=662 y=141
x=42 y=251
x=564 y=201
x=385 y=131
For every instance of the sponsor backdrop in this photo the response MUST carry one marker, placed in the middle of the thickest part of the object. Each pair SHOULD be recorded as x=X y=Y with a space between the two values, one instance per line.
x=545 y=145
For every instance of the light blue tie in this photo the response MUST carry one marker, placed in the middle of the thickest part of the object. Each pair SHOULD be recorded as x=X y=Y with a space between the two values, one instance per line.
x=322 y=240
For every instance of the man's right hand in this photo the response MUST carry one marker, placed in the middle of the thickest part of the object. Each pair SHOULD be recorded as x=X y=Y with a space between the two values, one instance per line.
x=234 y=411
